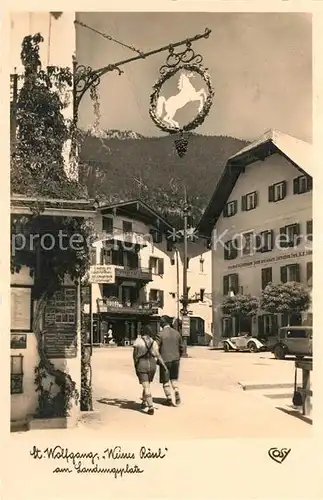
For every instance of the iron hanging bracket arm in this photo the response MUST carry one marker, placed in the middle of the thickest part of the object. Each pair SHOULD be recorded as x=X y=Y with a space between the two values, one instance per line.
x=86 y=77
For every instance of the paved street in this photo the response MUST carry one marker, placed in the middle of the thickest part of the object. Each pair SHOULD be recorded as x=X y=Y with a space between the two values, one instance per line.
x=214 y=403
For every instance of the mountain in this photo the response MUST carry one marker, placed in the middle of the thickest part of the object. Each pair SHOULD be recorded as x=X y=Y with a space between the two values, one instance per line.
x=119 y=166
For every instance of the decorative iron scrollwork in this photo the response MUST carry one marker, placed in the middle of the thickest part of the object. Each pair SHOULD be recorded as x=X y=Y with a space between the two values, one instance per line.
x=174 y=59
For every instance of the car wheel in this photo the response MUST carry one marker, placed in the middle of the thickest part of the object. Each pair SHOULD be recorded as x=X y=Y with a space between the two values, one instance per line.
x=226 y=347
x=252 y=347
x=279 y=352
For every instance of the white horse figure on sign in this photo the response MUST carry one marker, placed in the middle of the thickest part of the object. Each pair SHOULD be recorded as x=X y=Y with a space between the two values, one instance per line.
x=187 y=93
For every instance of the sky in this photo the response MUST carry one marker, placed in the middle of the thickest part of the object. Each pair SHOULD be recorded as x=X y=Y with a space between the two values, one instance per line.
x=260 y=65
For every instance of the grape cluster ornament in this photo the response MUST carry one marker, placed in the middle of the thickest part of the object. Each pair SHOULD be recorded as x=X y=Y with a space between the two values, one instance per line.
x=184 y=66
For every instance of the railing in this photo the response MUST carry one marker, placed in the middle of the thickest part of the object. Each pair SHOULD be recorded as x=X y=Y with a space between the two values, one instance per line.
x=111 y=305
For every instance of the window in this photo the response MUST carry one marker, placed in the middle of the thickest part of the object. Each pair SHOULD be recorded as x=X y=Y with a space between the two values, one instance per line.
x=265 y=241
x=309 y=273
x=169 y=246
x=187 y=262
x=302 y=184
x=266 y=277
x=289 y=235
x=277 y=192
x=230 y=209
x=230 y=284
x=107 y=224
x=157 y=296
x=309 y=230
x=173 y=295
x=248 y=243
x=249 y=201
x=230 y=250
x=156 y=265
x=117 y=257
x=126 y=226
x=227 y=325
x=267 y=325
x=202 y=290
x=156 y=235
x=296 y=334
x=16 y=374
x=290 y=273
x=93 y=256
x=172 y=262
x=201 y=265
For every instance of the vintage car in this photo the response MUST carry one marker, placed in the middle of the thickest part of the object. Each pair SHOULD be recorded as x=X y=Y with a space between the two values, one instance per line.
x=294 y=341
x=243 y=343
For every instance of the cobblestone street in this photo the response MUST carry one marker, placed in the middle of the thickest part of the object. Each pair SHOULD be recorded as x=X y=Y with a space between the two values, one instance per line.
x=214 y=404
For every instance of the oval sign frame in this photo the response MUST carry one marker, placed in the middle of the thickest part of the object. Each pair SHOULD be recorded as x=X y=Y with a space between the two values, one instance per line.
x=199 y=119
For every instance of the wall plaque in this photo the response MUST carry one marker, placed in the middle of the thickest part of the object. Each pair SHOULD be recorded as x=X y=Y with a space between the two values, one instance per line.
x=21 y=308
x=60 y=336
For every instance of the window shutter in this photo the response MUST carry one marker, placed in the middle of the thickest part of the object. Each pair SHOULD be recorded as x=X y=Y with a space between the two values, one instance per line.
x=169 y=245
x=225 y=210
x=284 y=189
x=271 y=239
x=160 y=266
x=310 y=183
x=260 y=325
x=161 y=298
x=150 y=296
x=235 y=247
x=296 y=186
x=150 y=263
x=258 y=243
x=283 y=274
x=225 y=285
x=263 y=279
x=226 y=252
x=243 y=203
x=309 y=270
x=270 y=274
x=274 y=320
x=297 y=232
x=235 y=206
x=102 y=256
x=235 y=283
x=297 y=273
x=271 y=196
x=256 y=199
x=283 y=241
x=309 y=230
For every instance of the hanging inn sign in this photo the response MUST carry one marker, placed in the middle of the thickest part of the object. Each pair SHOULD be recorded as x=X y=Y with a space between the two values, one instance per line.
x=182 y=96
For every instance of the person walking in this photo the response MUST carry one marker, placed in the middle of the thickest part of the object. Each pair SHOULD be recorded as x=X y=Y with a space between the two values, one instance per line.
x=145 y=357
x=170 y=345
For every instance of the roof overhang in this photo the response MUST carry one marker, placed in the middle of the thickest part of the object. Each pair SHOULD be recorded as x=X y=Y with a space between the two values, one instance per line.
x=23 y=205
x=297 y=152
x=137 y=209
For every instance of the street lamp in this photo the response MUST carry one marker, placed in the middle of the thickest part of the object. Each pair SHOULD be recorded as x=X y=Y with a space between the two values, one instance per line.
x=185 y=301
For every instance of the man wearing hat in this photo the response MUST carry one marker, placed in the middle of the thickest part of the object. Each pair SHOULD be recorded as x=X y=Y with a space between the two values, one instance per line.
x=171 y=348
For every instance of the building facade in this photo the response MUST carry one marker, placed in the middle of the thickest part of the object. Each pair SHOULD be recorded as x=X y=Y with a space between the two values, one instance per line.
x=146 y=259
x=260 y=224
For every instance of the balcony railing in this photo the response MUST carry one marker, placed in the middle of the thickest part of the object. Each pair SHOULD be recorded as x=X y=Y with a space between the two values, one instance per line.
x=115 y=306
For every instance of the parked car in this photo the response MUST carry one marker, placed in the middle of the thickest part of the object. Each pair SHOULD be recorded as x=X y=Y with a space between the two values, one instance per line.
x=293 y=340
x=243 y=343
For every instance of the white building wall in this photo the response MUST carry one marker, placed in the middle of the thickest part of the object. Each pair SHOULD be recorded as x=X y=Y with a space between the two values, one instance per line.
x=266 y=216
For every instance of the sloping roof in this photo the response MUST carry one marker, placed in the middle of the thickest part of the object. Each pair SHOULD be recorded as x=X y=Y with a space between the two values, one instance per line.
x=136 y=207
x=75 y=208
x=296 y=151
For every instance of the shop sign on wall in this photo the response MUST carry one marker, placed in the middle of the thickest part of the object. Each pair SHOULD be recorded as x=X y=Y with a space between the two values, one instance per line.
x=60 y=337
x=279 y=258
x=102 y=274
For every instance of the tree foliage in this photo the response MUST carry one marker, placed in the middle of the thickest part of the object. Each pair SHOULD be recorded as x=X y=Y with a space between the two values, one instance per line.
x=51 y=247
x=37 y=162
x=240 y=305
x=291 y=297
